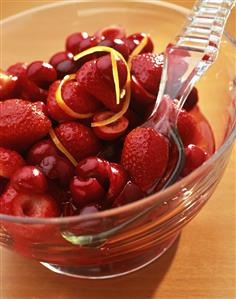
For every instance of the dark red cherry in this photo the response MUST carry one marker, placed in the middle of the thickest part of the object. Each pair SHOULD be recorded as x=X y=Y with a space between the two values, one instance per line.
x=117 y=180
x=117 y=44
x=27 y=205
x=7 y=85
x=57 y=168
x=85 y=44
x=63 y=63
x=41 y=73
x=139 y=94
x=18 y=69
x=194 y=157
x=93 y=167
x=130 y=193
x=111 y=33
x=41 y=150
x=111 y=131
x=104 y=65
x=134 y=40
x=86 y=191
x=29 y=179
x=74 y=40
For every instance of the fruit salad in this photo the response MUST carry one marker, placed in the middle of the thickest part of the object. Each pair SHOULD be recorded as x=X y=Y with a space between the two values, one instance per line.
x=71 y=134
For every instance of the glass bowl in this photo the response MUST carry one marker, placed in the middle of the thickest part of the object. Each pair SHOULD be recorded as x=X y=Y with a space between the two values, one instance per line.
x=64 y=245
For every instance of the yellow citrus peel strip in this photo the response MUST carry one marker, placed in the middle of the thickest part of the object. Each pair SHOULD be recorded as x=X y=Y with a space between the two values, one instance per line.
x=61 y=147
x=138 y=49
x=61 y=103
x=114 y=54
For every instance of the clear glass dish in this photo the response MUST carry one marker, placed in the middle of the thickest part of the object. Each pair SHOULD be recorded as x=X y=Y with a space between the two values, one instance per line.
x=55 y=242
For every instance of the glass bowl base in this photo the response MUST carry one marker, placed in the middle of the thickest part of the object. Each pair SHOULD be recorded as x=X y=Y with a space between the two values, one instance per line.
x=115 y=269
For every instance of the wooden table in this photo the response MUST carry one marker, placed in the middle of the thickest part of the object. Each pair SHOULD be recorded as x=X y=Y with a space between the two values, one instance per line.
x=200 y=266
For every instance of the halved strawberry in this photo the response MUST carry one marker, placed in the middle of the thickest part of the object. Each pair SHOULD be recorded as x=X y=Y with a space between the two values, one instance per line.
x=145 y=156
x=78 y=139
x=97 y=78
x=147 y=69
x=10 y=161
x=22 y=123
x=75 y=96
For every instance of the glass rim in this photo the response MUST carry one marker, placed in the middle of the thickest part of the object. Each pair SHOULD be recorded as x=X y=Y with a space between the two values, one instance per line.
x=158 y=196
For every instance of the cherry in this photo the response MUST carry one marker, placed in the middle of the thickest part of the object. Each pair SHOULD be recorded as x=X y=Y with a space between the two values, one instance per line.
x=85 y=44
x=194 y=157
x=29 y=179
x=117 y=44
x=86 y=191
x=27 y=205
x=134 y=40
x=130 y=193
x=110 y=33
x=41 y=150
x=73 y=41
x=10 y=161
x=117 y=180
x=111 y=131
x=93 y=167
x=18 y=69
x=63 y=63
x=111 y=176
x=104 y=66
x=140 y=95
x=7 y=85
x=25 y=88
x=3 y=185
x=30 y=91
x=41 y=73
x=57 y=168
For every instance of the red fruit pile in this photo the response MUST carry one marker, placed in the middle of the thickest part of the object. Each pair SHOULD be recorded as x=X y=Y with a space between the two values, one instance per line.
x=70 y=135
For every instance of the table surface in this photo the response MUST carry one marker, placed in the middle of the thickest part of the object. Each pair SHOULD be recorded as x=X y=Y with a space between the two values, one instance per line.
x=200 y=266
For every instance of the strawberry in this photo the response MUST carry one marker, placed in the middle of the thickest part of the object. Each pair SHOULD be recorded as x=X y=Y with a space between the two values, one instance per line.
x=78 y=139
x=75 y=96
x=187 y=127
x=22 y=123
x=147 y=69
x=145 y=156
x=98 y=75
x=10 y=161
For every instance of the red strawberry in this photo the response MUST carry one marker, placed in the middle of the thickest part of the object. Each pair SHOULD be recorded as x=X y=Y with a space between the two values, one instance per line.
x=145 y=156
x=75 y=96
x=96 y=77
x=10 y=161
x=22 y=123
x=78 y=139
x=187 y=127
x=147 y=69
